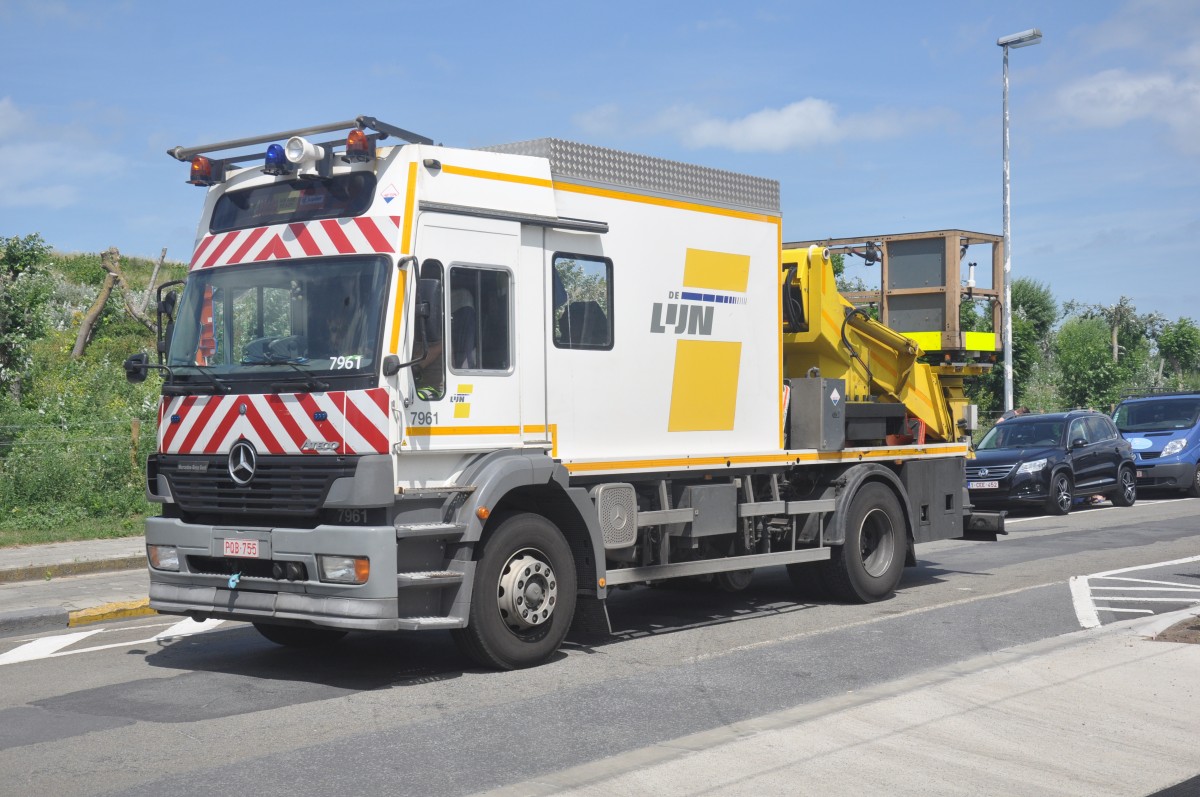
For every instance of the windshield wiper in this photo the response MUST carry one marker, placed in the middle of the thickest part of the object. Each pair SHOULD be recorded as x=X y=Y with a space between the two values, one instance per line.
x=311 y=384
x=207 y=374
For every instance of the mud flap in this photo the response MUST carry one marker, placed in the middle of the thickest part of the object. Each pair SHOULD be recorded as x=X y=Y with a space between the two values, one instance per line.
x=983 y=526
x=591 y=620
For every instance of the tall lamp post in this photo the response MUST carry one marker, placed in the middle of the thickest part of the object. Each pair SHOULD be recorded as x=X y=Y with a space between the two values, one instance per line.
x=1022 y=39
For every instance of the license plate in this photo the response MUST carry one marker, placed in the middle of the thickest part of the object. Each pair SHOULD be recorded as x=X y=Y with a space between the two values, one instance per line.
x=983 y=485
x=242 y=549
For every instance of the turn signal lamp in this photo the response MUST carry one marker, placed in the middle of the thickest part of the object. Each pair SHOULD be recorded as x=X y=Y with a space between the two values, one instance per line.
x=358 y=147
x=205 y=172
x=276 y=162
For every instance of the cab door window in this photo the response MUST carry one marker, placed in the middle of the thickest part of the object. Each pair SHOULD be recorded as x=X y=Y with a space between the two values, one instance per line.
x=480 y=319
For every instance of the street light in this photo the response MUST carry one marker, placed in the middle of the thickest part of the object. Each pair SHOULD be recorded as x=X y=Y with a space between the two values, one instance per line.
x=1022 y=39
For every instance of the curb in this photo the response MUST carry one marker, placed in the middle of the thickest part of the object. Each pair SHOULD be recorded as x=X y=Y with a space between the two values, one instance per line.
x=61 y=569
x=110 y=611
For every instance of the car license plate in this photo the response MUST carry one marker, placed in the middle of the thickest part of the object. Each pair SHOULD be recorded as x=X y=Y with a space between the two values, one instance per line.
x=983 y=485
x=242 y=549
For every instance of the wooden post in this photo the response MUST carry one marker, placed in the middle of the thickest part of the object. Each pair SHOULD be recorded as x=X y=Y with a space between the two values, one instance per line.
x=135 y=432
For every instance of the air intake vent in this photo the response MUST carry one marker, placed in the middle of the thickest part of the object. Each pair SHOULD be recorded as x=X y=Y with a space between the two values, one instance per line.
x=616 y=504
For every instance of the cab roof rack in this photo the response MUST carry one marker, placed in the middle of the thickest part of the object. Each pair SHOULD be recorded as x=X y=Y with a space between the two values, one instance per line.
x=381 y=130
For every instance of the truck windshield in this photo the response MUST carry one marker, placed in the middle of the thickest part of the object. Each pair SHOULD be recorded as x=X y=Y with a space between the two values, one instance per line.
x=269 y=320
x=1161 y=415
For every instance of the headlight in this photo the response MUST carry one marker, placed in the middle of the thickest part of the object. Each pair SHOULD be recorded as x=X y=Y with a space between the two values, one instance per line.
x=1033 y=466
x=163 y=557
x=344 y=569
x=1174 y=447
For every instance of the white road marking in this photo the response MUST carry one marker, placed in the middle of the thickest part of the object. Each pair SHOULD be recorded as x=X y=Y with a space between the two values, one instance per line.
x=1087 y=612
x=52 y=647
x=41 y=648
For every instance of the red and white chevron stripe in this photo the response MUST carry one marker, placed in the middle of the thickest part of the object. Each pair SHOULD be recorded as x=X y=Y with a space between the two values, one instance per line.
x=357 y=422
x=361 y=234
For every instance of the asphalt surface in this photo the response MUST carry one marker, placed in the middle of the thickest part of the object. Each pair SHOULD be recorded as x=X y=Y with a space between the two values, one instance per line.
x=1042 y=708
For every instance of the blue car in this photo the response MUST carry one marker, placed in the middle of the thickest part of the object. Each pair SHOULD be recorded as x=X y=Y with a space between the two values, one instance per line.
x=1164 y=430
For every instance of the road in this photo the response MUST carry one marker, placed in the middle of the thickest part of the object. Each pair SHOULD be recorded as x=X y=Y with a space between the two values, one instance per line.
x=159 y=706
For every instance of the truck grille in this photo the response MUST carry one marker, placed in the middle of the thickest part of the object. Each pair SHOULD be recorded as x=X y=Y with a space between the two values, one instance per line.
x=287 y=486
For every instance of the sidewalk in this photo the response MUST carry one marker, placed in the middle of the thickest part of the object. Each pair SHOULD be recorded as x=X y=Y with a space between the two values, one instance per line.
x=44 y=587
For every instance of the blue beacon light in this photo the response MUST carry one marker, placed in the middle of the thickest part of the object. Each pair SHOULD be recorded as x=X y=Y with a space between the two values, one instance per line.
x=276 y=162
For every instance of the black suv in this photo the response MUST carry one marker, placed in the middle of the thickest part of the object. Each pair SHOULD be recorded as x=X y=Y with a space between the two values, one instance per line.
x=1050 y=460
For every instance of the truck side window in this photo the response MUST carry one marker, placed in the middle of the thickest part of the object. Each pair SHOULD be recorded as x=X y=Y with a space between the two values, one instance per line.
x=430 y=373
x=582 y=302
x=480 y=319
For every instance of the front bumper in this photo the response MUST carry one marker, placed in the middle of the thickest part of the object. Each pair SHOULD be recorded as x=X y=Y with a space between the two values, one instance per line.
x=1168 y=475
x=1015 y=489
x=191 y=591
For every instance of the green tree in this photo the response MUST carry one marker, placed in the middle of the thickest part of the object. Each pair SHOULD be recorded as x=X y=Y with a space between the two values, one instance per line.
x=1179 y=345
x=1087 y=375
x=25 y=290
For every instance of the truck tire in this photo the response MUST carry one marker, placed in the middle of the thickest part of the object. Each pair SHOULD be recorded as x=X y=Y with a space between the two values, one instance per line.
x=1126 y=492
x=868 y=566
x=298 y=636
x=1061 y=495
x=523 y=596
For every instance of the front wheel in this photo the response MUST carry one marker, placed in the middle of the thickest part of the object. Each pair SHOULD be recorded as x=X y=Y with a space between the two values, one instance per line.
x=1193 y=489
x=868 y=566
x=1061 y=495
x=523 y=596
x=1126 y=492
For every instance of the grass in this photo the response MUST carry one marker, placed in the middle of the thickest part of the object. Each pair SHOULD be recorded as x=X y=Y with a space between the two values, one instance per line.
x=76 y=530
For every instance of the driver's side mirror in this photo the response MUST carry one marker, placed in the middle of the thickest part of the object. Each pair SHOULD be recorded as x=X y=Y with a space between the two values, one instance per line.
x=135 y=367
x=429 y=309
x=166 y=305
x=1078 y=442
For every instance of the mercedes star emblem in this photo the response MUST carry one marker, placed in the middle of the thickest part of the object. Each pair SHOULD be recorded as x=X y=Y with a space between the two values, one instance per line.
x=243 y=459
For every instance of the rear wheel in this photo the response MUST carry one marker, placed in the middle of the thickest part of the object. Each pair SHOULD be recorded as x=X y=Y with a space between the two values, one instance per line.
x=868 y=566
x=523 y=596
x=1062 y=494
x=297 y=636
x=1126 y=492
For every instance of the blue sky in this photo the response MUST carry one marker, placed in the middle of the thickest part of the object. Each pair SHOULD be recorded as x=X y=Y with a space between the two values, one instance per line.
x=876 y=118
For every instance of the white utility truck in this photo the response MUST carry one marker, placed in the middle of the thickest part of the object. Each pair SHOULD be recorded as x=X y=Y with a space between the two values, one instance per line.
x=410 y=386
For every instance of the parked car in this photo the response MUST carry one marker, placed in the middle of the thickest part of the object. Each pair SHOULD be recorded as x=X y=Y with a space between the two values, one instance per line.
x=1164 y=430
x=1049 y=460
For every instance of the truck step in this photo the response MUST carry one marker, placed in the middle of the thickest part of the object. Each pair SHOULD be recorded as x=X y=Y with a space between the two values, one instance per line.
x=429 y=578
x=408 y=531
x=426 y=623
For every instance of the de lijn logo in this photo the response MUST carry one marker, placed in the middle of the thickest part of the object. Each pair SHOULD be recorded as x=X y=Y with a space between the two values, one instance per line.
x=714 y=278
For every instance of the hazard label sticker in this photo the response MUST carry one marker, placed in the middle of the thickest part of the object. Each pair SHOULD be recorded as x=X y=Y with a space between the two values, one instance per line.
x=389 y=193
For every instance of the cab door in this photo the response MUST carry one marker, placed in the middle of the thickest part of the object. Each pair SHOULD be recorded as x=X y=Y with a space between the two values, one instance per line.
x=470 y=397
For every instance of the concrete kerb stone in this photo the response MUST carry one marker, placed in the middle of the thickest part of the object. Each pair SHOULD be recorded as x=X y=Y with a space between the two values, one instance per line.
x=62 y=569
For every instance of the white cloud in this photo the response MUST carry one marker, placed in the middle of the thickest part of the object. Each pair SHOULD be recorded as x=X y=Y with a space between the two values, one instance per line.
x=41 y=166
x=1116 y=97
x=805 y=124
